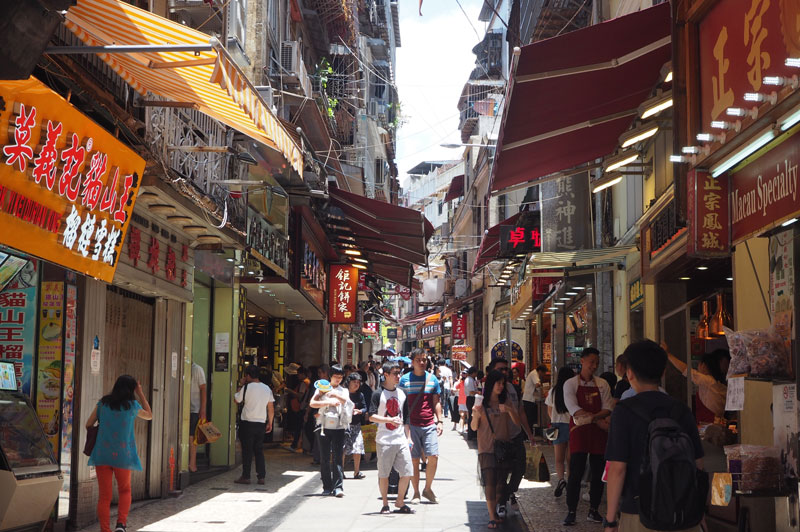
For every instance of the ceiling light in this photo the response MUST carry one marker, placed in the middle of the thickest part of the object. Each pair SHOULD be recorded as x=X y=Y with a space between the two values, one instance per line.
x=788 y=222
x=241 y=266
x=758 y=97
x=668 y=79
x=702 y=268
x=359 y=266
x=558 y=303
x=579 y=288
x=638 y=134
x=778 y=81
x=729 y=278
x=685 y=278
x=353 y=252
x=229 y=260
x=738 y=111
x=792 y=62
x=572 y=293
x=692 y=150
x=564 y=298
x=618 y=161
x=251 y=315
x=678 y=159
x=281 y=302
x=743 y=153
x=791 y=118
x=251 y=273
x=655 y=105
x=362 y=261
x=709 y=137
x=606 y=181
x=552 y=308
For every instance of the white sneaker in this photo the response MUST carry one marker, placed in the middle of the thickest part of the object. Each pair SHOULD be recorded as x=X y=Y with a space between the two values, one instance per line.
x=501 y=511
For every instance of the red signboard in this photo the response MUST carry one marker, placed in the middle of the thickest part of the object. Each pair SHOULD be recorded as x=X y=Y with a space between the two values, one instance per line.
x=707 y=214
x=741 y=42
x=404 y=291
x=342 y=291
x=764 y=193
x=459 y=331
x=372 y=328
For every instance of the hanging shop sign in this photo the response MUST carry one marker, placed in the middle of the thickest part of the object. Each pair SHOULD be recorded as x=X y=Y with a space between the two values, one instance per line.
x=67 y=186
x=500 y=350
x=459 y=330
x=410 y=331
x=430 y=330
x=635 y=294
x=403 y=291
x=707 y=215
x=661 y=236
x=372 y=328
x=266 y=243
x=521 y=297
x=312 y=274
x=764 y=193
x=342 y=293
x=391 y=333
x=566 y=224
x=739 y=43
x=522 y=238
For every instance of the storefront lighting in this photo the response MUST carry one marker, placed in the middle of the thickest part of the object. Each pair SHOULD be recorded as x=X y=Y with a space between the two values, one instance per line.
x=741 y=113
x=281 y=302
x=729 y=278
x=743 y=153
x=559 y=304
x=655 y=105
x=579 y=288
x=685 y=278
x=778 y=81
x=761 y=98
x=564 y=298
x=606 y=181
x=229 y=260
x=571 y=293
x=251 y=273
x=552 y=308
x=638 y=134
x=362 y=261
x=690 y=150
x=710 y=137
x=789 y=120
x=787 y=223
x=726 y=126
x=702 y=268
x=241 y=266
x=359 y=266
x=618 y=161
x=251 y=315
x=678 y=159
x=668 y=79
x=353 y=252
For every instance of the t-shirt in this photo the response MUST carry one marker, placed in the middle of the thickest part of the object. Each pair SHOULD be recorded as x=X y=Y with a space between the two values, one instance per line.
x=116 y=443
x=627 y=438
x=256 y=399
x=531 y=392
x=470 y=385
x=571 y=391
x=513 y=401
x=557 y=416
x=447 y=376
x=622 y=386
x=500 y=423
x=390 y=403
x=462 y=396
x=198 y=379
x=359 y=403
x=422 y=414
x=333 y=411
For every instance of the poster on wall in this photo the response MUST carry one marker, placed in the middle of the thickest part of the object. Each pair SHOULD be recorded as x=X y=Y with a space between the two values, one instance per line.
x=68 y=396
x=781 y=284
x=49 y=366
x=18 y=325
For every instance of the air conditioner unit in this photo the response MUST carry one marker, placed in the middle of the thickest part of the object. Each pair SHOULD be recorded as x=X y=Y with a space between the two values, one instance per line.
x=291 y=59
x=372 y=108
x=267 y=93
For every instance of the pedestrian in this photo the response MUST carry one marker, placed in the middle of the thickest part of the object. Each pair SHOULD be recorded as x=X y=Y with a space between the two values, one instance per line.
x=621 y=369
x=588 y=399
x=516 y=379
x=114 y=454
x=446 y=377
x=353 y=439
x=258 y=412
x=422 y=390
x=296 y=390
x=389 y=409
x=531 y=394
x=470 y=390
x=518 y=432
x=311 y=414
x=492 y=420
x=629 y=438
x=197 y=410
x=710 y=380
x=559 y=420
x=332 y=401
x=460 y=404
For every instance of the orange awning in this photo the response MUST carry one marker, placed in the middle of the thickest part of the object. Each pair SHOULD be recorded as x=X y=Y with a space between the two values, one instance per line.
x=209 y=80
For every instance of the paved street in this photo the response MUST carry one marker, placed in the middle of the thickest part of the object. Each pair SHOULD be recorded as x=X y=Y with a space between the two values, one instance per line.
x=290 y=501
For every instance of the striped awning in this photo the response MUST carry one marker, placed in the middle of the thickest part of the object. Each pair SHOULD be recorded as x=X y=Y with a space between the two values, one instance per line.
x=579 y=258
x=208 y=81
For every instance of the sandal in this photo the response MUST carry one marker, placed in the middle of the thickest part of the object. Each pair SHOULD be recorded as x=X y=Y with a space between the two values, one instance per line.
x=358 y=475
x=385 y=510
x=405 y=509
x=492 y=524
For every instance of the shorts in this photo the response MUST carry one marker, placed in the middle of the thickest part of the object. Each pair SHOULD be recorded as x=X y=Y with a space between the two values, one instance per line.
x=462 y=407
x=353 y=440
x=194 y=419
x=631 y=523
x=424 y=438
x=563 y=433
x=395 y=456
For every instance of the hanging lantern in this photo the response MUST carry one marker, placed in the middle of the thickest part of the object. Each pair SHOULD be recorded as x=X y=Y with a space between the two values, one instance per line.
x=702 y=327
x=720 y=319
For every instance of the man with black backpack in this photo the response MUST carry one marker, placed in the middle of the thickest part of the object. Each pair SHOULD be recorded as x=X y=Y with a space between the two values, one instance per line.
x=654 y=454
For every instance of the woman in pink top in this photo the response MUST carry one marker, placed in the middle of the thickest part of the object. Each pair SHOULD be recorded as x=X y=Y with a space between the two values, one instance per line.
x=462 y=405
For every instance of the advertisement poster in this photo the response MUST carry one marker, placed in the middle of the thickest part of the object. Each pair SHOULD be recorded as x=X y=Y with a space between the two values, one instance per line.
x=781 y=284
x=68 y=396
x=18 y=325
x=48 y=387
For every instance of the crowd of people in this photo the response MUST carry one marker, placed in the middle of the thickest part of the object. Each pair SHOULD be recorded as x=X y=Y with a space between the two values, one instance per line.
x=608 y=423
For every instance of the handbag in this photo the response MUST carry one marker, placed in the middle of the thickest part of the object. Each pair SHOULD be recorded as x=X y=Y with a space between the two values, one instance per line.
x=206 y=432
x=91 y=439
x=504 y=450
x=551 y=433
x=536 y=469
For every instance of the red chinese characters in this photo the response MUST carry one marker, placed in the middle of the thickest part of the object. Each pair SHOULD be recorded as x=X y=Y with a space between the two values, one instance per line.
x=459 y=331
x=169 y=267
x=134 y=245
x=152 y=261
x=73 y=158
x=46 y=164
x=19 y=152
x=516 y=236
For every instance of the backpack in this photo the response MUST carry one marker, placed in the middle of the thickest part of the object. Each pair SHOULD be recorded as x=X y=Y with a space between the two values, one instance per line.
x=672 y=491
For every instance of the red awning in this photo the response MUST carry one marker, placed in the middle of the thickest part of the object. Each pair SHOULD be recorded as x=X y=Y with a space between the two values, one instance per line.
x=420 y=316
x=456 y=189
x=490 y=244
x=572 y=96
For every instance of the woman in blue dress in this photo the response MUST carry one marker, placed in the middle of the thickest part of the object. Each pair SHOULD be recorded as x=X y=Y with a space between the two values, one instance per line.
x=114 y=453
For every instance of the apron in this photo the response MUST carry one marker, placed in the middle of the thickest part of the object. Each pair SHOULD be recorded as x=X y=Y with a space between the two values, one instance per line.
x=702 y=413
x=587 y=438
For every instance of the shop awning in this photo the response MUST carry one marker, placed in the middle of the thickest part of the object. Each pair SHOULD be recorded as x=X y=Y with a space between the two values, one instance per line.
x=490 y=244
x=580 y=258
x=421 y=317
x=456 y=189
x=208 y=81
x=572 y=96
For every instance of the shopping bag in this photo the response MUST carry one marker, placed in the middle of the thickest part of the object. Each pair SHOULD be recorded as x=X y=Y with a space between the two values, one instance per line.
x=368 y=432
x=206 y=432
x=536 y=469
x=91 y=439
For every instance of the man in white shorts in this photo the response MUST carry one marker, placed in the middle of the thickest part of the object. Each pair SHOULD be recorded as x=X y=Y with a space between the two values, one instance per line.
x=389 y=409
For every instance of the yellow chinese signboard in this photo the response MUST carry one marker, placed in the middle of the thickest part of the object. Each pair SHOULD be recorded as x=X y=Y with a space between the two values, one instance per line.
x=67 y=186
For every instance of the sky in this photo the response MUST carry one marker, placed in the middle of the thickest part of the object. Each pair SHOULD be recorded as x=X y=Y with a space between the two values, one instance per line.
x=433 y=64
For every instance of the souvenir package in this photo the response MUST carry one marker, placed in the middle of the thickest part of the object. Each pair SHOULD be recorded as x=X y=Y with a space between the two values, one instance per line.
x=759 y=353
x=754 y=467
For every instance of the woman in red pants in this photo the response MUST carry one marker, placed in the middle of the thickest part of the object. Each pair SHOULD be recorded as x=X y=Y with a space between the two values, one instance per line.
x=114 y=453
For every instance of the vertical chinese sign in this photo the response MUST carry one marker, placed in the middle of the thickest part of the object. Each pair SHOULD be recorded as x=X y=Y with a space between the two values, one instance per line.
x=342 y=293
x=459 y=330
x=48 y=383
x=707 y=215
x=67 y=186
x=18 y=329
x=565 y=214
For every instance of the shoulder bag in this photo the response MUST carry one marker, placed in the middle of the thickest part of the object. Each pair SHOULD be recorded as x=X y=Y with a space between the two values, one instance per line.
x=239 y=412
x=503 y=450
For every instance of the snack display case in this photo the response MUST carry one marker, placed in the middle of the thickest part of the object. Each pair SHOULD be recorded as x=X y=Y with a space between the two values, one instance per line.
x=30 y=478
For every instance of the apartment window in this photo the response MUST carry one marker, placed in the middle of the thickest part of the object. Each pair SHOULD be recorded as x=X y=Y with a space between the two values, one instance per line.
x=441 y=205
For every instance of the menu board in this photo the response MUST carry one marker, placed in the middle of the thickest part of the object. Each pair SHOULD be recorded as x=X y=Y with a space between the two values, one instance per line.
x=18 y=325
x=48 y=388
x=8 y=380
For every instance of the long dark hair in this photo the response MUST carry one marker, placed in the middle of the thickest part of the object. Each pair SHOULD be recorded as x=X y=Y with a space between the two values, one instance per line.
x=564 y=374
x=712 y=360
x=122 y=395
x=491 y=380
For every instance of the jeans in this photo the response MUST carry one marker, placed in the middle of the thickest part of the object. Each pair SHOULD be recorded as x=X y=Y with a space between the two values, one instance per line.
x=577 y=466
x=331 y=451
x=296 y=423
x=445 y=400
x=532 y=413
x=251 y=435
x=104 y=482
